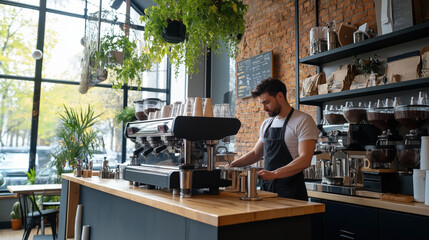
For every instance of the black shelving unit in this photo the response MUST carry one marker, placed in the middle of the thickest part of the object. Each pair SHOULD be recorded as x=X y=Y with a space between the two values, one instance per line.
x=377 y=43
x=318 y=100
x=372 y=44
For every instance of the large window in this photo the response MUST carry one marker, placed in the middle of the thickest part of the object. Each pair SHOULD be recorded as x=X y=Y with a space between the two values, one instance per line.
x=60 y=68
x=18 y=32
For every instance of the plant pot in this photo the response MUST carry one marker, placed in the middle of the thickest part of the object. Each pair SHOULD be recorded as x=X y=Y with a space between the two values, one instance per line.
x=118 y=56
x=16 y=224
x=175 y=32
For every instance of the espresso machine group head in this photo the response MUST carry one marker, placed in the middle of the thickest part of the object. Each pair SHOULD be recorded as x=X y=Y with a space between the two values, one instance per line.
x=193 y=139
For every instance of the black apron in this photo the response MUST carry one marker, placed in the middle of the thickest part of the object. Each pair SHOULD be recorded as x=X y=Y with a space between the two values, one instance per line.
x=277 y=155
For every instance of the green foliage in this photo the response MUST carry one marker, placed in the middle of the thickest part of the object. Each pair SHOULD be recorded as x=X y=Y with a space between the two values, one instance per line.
x=76 y=137
x=126 y=115
x=368 y=66
x=31 y=177
x=130 y=69
x=206 y=21
x=16 y=211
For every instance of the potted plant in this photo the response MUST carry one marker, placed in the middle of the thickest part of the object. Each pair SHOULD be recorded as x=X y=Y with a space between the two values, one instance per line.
x=369 y=66
x=206 y=22
x=126 y=115
x=31 y=177
x=76 y=138
x=119 y=55
x=15 y=216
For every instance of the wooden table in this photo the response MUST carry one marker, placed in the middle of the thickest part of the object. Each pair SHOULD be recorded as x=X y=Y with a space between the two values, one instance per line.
x=140 y=213
x=45 y=189
x=24 y=191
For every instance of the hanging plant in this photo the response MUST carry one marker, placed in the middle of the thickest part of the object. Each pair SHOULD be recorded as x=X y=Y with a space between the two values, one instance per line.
x=206 y=22
x=119 y=56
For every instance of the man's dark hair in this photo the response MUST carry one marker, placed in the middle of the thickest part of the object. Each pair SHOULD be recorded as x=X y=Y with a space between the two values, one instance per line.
x=271 y=86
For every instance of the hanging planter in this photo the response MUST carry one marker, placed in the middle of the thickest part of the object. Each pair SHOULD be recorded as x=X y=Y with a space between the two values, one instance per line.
x=205 y=23
x=117 y=57
x=175 y=32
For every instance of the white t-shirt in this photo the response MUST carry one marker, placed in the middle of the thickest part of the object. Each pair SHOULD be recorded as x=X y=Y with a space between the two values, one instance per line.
x=300 y=127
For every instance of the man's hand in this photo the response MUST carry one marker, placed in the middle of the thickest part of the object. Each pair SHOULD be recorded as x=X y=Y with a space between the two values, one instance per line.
x=267 y=175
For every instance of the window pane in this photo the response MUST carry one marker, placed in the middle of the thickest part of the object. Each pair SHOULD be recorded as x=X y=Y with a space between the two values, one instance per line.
x=15 y=123
x=156 y=77
x=178 y=83
x=63 y=51
x=18 y=32
x=29 y=2
x=137 y=95
x=104 y=101
x=71 y=6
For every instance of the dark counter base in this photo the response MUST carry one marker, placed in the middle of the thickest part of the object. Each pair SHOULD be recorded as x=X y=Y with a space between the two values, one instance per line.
x=112 y=217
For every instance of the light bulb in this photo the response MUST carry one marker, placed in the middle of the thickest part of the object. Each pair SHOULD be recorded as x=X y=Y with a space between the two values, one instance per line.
x=37 y=54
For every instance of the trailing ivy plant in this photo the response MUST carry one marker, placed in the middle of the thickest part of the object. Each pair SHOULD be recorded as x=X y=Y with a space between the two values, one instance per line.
x=206 y=21
x=130 y=65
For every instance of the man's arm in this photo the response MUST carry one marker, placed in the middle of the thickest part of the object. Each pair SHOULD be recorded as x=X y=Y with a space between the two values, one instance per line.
x=305 y=150
x=251 y=157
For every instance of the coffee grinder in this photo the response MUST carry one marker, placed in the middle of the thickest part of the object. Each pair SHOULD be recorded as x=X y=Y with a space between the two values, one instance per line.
x=377 y=173
x=412 y=117
x=383 y=152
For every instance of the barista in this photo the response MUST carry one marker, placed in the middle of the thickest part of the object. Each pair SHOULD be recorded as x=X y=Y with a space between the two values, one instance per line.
x=287 y=140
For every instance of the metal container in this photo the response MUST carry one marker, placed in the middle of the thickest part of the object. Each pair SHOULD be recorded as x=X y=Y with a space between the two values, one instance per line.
x=251 y=194
x=359 y=36
x=331 y=40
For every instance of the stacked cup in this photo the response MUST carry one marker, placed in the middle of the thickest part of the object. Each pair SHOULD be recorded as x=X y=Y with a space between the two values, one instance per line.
x=197 y=110
x=421 y=176
x=208 y=108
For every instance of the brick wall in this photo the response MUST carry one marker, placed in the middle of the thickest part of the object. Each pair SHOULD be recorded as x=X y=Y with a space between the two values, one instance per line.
x=270 y=26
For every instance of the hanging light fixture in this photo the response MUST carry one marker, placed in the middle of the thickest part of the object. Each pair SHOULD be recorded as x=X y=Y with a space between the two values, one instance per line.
x=37 y=54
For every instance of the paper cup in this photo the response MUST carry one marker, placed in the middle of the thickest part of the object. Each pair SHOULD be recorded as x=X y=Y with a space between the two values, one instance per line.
x=165 y=111
x=208 y=108
x=419 y=181
x=197 y=110
x=424 y=153
x=426 y=188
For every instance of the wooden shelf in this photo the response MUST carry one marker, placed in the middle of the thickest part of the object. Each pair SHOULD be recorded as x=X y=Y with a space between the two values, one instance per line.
x=372 y=44
x=318 y=100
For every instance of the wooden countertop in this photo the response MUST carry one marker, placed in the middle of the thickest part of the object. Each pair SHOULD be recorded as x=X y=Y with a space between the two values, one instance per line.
x=215 y=210
x=413 y=207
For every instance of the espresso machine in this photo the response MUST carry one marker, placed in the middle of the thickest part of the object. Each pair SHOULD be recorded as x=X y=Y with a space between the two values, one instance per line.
x=178 y=153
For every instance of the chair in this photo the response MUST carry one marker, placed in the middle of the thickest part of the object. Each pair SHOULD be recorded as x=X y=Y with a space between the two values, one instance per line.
x=36 y=217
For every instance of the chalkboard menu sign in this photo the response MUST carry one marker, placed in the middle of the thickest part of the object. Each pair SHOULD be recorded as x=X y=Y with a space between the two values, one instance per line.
x=252 y=71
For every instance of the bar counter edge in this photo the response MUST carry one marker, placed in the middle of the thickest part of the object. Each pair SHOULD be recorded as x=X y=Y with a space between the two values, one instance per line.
x=157 y=214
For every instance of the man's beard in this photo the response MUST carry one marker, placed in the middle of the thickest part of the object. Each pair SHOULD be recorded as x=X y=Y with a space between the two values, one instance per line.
x=275 y=112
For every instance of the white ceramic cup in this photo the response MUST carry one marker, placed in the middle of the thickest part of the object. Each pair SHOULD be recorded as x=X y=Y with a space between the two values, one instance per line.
x=424 y=153
x=419 y=181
